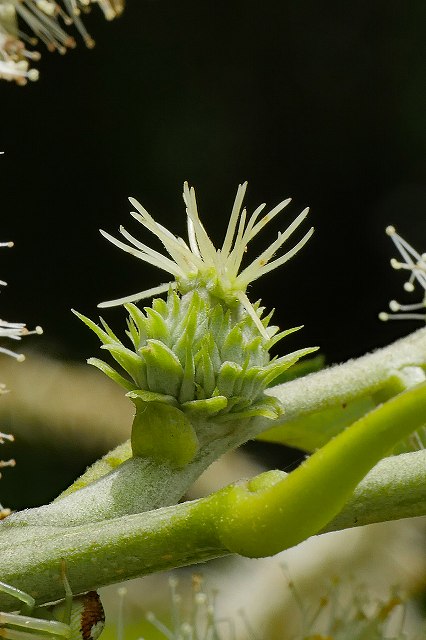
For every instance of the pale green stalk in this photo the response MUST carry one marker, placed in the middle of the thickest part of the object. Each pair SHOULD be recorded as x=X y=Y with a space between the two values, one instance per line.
x=142 y=484
x=320 y=405
x=260 y=517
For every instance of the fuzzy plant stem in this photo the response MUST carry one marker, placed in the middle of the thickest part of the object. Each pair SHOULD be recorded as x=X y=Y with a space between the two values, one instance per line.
x=137 y=485
x=395 y=488
x=320 y=405
x=256 y=518
x=143 y=484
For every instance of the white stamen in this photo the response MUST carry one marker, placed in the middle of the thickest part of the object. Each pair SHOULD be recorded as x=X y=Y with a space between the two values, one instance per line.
x=6 y=436
x=18 y=356
x=7 y=463
x=395 y=306
x=413 y=262
x=14 y=330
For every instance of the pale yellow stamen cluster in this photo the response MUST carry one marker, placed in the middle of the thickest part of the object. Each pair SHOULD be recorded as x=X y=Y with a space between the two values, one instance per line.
x=199 y=262
x=44 y=20
x=415 y=264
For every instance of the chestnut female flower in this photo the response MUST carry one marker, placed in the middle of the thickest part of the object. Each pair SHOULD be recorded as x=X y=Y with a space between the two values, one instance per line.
x=203 y=354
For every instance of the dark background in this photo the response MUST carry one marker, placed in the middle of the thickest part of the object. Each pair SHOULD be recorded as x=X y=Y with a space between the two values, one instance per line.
x=323 y=102
x=320 y=101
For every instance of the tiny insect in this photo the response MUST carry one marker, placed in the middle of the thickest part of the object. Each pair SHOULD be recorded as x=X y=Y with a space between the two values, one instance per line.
x=76 y=618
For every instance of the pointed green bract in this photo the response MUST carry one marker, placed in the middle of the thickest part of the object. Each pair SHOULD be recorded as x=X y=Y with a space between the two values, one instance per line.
x=209 y=358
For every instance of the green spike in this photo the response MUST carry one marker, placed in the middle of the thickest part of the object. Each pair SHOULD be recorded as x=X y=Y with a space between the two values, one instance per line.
x=111 y=373
x=208 y=407
x=187 y=388
x=233 y=345
x=163 y=370
x=130 y=362
x=102 y=335
x=227 y=377
x=156 y=326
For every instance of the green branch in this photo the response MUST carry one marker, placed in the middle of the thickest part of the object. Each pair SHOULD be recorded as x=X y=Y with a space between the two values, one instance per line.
x=260 y=517
x=320 y=405
x=395 y=488
x=316 y=408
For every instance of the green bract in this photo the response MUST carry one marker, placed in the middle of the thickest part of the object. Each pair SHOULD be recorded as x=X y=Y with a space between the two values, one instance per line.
x=202 y=358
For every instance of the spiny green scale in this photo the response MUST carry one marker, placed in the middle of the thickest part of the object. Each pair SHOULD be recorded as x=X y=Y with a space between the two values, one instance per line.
x=199 y=355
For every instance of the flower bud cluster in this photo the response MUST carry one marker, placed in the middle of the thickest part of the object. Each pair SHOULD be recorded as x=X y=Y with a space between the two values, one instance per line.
x=198 y=355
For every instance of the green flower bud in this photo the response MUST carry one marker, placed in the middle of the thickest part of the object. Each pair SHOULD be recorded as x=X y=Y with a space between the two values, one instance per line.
x=204 y=358
x=202 y=353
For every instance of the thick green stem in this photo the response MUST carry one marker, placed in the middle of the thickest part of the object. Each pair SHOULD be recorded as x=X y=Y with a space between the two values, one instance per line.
x=261 y=517
x=395 y=488
x=347 y=391
x=105 y=552
x=316 y=491
x=137 y=485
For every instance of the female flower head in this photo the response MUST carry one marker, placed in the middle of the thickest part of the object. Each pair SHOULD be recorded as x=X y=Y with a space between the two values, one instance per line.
x=202 y=354
x=415 y=264
x=198 y=264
